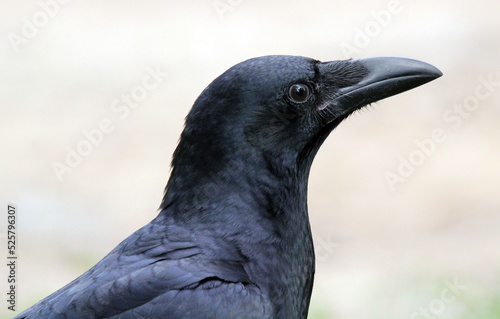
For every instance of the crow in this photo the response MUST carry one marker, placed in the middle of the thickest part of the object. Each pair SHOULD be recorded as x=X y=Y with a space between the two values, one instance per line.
x=232 y=238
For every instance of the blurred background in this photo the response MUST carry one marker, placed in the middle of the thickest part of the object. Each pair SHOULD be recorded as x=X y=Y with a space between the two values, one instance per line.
x=403 y=196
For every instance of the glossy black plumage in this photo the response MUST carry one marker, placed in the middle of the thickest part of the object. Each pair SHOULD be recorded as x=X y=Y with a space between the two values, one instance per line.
x=232 y=239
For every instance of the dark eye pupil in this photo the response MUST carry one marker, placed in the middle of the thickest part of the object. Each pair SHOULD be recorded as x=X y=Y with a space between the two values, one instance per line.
x=299 y=92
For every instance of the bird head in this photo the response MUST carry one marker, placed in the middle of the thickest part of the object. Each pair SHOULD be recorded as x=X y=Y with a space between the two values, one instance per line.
x=282 y=108
x=298 y=101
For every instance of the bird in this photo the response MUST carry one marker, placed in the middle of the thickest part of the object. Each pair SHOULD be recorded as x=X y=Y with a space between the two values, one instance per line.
x=232 y=238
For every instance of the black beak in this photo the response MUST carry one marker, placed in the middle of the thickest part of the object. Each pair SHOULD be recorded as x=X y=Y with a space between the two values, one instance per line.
x=384 y=77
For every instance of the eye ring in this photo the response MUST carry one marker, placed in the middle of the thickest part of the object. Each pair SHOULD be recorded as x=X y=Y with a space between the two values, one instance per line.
x=299 y=93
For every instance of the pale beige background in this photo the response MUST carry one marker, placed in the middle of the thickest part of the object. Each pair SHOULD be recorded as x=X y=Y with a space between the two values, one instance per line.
x=382 y=253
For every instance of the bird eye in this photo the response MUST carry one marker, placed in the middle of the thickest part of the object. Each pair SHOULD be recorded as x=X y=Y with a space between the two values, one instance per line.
x=299 y=92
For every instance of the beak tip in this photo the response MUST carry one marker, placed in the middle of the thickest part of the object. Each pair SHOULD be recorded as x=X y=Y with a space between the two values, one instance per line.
x=438 y=73
x=431 y=70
